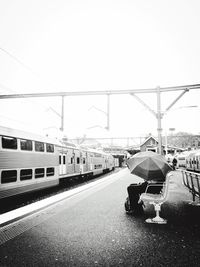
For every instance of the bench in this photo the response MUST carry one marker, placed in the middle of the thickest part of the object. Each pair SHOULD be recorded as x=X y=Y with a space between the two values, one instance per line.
x=156 y=199
x=192 y=181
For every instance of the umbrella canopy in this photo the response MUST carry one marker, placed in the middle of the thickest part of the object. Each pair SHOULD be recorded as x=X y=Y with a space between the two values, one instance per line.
x=149 y=166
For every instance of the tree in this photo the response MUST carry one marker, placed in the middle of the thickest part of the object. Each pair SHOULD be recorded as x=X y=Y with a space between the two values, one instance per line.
x=184 y=140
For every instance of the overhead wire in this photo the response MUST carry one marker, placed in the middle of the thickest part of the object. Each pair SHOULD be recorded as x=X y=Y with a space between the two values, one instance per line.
x=19 y=61
x=27 y=68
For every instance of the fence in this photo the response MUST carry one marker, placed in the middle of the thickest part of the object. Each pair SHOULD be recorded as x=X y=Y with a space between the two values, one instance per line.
x=192 y=181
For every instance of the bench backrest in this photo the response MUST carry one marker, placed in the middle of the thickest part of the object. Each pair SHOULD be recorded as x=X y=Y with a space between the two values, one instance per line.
x=162 y=196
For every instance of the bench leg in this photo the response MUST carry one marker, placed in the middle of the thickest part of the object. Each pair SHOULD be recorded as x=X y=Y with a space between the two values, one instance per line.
x=157 y=219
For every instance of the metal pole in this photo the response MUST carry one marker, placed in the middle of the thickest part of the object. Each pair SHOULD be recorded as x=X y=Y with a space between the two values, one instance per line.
x=108 y=112
x=166 y=150
x=159 y=117
x=62 y=115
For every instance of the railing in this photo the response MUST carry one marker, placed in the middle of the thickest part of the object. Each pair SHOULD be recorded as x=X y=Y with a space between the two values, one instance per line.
x=192 y=181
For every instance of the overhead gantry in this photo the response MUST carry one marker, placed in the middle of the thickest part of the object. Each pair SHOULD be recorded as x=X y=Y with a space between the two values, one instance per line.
x=133 y=92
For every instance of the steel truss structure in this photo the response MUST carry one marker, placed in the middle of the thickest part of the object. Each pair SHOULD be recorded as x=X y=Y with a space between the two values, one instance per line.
x=133 y=92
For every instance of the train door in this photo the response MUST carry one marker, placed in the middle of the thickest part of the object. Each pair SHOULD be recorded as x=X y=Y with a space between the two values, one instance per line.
x=77 y=161
x=106 y=163
x=62 y=164
x=83 y=166
x=90 y=161
x=87 y=166
x=70 y=162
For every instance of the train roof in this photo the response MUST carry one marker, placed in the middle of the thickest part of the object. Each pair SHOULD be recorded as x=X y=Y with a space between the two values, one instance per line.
x=36 y=137
x=184 y=153
x=27 y=135
x=197 y=153
x=92 y=150
x=193 y=152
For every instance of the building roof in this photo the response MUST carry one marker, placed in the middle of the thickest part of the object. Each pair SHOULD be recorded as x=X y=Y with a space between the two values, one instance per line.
x=163 y=145
x=150 y=137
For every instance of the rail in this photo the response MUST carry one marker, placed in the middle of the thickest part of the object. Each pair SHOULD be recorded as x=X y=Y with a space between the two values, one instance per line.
x=192 y=181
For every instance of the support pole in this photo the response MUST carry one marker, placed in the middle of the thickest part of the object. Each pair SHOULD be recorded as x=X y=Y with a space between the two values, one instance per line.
x=108 y=112
x=159 y=117
x=62 y=115
x=166 y=149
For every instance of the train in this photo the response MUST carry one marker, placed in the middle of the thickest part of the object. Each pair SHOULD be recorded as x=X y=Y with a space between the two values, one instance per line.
x=193 y=161
x=30 y=162
x=180 y=157
x=190 y=160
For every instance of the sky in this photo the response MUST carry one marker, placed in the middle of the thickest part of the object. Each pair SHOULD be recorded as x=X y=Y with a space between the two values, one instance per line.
x=63 y=45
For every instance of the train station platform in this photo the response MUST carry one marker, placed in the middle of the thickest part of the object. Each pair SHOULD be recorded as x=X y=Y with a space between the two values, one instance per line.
x=89 y=227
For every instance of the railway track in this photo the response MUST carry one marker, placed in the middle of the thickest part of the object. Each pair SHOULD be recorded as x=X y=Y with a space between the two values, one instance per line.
x=19 y=201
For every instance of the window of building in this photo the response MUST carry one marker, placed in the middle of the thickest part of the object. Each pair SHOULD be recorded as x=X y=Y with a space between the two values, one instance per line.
x=64 y=159
x=78 y=160
x=59 y=159
x=39 y=172
x=83 y=160
x=50 y=171
x=39 y=146
x=50 y=148
x=8 y=176
x=9 y=142
x=26 y=145
x=26 y=174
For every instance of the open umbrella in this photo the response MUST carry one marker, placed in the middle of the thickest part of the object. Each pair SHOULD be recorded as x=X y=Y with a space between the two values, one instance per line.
x=149 y=166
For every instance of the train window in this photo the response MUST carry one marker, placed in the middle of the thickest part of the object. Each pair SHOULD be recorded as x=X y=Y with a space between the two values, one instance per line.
x=9 y=142
x=8 y=176
x=39 y=146
x=78 y=160
x=50 y=171
x=39 y=172
x=26 y=145
x=26 y=174
x=50 y=148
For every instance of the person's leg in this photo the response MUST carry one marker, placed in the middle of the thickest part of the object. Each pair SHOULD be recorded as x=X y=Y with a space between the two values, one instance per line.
x=134 y=191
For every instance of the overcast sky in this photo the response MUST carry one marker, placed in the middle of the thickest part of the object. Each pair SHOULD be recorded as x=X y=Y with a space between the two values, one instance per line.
x=63 y=45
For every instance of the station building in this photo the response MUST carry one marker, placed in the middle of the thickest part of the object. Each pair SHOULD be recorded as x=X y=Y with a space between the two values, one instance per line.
x=151 y=144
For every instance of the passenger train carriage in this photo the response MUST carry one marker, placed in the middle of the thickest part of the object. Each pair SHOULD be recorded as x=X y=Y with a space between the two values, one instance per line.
x=30 y=162
x=193 y=161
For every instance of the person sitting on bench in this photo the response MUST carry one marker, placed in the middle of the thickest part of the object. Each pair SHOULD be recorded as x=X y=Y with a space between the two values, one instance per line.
x=134 y=192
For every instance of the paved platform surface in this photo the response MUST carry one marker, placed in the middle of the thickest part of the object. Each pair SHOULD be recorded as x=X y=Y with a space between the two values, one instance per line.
x=91 y=228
